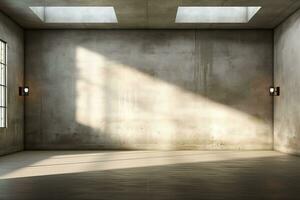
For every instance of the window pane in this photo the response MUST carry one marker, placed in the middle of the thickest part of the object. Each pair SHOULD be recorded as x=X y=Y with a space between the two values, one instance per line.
x=1 y=53
x=2 y=74
x=2 y=117
x=2 y=96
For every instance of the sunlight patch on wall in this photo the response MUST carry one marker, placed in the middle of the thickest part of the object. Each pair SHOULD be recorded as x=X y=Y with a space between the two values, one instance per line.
x=140 y=110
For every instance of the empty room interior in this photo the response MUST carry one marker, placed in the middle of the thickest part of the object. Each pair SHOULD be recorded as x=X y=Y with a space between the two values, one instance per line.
x=149 y=99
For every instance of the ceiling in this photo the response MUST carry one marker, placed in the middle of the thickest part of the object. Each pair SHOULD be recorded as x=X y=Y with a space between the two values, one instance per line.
x=152 y=14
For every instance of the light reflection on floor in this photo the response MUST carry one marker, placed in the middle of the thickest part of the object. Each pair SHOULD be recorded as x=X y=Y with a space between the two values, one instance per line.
x=42 y=163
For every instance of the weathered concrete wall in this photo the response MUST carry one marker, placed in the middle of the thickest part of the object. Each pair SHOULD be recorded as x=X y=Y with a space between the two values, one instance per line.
x=11 y=138
x=287 y=73
x=149 y=89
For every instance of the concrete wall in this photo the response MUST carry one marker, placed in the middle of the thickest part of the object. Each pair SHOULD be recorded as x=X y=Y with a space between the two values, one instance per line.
x=11 y=138
x=152 y=89
x=287 y=73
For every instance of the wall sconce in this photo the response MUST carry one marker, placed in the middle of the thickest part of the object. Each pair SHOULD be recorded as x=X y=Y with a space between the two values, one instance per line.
x=274 y=91
x=24 y=91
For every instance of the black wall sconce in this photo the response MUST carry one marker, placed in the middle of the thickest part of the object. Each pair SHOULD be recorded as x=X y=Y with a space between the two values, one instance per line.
x=24 y=91
x=274 y=91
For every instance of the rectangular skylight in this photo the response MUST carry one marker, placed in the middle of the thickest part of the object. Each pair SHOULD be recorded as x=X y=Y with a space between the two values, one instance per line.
x=216 y=14
x=89 y=14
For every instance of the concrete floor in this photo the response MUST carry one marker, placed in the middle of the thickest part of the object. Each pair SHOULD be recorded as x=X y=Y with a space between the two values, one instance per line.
x=149 y=175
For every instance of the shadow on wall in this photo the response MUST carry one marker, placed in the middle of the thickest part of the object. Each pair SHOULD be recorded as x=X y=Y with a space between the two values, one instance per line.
x=163 y=93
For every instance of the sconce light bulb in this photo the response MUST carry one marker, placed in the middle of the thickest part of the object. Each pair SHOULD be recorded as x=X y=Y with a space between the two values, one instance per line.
x=26 y=90
x=272 y=90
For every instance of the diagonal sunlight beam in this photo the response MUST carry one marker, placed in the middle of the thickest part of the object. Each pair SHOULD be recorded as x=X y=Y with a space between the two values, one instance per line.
x=140 y=111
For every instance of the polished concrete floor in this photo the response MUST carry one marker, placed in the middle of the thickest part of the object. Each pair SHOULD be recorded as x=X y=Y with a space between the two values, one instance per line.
x=114 y=175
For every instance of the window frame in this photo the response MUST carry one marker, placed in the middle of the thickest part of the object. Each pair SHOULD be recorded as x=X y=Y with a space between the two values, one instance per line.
x=3 y=85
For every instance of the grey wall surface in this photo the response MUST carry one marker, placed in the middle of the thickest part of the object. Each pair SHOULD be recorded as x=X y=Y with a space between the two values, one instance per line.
x=152 y=89
x=11 y=138
x=287 y=71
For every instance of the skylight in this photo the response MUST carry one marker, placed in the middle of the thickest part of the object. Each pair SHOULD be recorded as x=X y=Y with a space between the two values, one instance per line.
x=221 y=14
x=53 y=14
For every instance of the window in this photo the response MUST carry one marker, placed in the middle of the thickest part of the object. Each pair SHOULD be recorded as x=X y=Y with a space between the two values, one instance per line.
x=3 y=84
x=216 y=14
x=80 y=14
